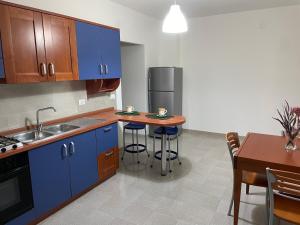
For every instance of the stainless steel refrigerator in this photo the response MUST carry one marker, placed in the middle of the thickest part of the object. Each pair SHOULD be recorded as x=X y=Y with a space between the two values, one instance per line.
x=165 y=90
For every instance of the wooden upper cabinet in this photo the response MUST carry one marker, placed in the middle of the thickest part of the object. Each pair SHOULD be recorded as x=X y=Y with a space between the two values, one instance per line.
x=60 y=45
x=37 y=47
x=23 y=45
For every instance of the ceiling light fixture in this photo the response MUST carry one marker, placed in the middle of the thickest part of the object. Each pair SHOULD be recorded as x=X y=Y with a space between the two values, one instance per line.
x=174 y=21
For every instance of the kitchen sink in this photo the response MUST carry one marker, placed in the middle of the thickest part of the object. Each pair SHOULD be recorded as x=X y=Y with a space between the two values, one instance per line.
x=31 y=136
x=60 y=128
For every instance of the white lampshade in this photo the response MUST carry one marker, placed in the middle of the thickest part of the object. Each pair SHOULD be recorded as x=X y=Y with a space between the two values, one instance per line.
x=174 y=21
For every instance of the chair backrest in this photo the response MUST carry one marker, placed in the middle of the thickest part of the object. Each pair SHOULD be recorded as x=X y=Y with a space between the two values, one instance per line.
x=282 y=183
x=233 y=143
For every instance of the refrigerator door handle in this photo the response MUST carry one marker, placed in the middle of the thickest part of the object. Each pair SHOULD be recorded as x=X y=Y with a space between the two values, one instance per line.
x=149 y=101
x=149 y=79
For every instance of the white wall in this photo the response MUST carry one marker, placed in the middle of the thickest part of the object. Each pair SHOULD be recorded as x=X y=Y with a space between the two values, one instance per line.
x=238 y=68
x=133 y=77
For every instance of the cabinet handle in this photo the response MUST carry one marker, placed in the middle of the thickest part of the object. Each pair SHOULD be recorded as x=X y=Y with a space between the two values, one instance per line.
x=107 y=129
x=51 y=69
x=101 y=69
x=72 y=148
x=43 y=69
x=106 y=69
x=64 y=151
x=109 y=154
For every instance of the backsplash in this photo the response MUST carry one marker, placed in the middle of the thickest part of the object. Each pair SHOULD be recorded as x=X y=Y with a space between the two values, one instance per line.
x=18 y=103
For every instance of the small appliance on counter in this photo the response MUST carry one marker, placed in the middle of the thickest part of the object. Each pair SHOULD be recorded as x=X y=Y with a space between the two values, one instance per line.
x=7 y=144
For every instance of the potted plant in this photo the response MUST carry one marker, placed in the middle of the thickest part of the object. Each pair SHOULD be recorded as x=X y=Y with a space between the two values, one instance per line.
x=289 y=119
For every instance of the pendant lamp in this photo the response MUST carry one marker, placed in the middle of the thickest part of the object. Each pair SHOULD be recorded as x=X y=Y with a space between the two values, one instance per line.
x=174 y=21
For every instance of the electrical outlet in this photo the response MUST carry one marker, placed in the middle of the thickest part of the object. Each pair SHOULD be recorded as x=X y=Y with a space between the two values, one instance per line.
x=112 y=96
x=81 y=102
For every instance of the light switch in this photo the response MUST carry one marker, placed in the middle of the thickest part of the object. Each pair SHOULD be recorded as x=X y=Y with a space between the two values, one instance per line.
x=81 y=102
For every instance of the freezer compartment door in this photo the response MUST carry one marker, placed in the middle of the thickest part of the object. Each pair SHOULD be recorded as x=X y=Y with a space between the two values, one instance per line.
x=161 y=79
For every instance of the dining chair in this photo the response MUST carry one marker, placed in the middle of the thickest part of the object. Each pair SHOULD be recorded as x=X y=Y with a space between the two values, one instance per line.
x=284 y=196
x=249 y=178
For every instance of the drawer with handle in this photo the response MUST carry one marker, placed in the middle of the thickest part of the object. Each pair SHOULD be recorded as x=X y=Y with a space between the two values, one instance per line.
x=107 y=137
x=108 y=163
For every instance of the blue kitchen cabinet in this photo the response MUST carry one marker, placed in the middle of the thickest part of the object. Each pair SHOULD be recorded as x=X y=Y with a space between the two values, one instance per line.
x=99 y=52
x=111 y=52
x=107 y=137
x=83 y=161
x=88 y=50
x=62 y=169
x=49 y=168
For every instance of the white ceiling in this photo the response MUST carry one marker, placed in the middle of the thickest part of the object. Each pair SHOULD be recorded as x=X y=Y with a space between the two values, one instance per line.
x=198 y=8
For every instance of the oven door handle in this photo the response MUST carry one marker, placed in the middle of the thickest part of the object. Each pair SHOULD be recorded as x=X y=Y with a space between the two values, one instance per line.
x=10 y=173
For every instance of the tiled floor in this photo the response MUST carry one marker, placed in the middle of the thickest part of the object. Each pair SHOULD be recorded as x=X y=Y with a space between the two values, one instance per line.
x=197 y=192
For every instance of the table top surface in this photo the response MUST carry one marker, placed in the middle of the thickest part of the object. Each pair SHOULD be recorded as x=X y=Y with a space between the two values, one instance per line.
x=269 y=149
x=141 y=118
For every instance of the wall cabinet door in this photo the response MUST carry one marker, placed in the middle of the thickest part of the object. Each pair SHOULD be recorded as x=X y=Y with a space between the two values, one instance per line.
x=49 y=169
x=37 y=47
x=22 y=44
x=111 y=52
x=99 y=52
x=88 y=48
x=107 y=137
x=60 y=44
x=83 y=161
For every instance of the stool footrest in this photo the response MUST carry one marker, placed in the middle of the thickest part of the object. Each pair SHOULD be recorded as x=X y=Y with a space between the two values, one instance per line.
x=174 y=155
x=141 y=148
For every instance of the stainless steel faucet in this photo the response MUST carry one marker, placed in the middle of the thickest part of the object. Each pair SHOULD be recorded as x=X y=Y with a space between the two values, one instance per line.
x=39 y=126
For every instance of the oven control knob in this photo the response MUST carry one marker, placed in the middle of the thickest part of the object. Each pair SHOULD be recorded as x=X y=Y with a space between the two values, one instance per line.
x=14 y=146
x=3 y=150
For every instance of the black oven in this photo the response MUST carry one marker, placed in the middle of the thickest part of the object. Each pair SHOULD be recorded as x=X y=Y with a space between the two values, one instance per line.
x=15 y=187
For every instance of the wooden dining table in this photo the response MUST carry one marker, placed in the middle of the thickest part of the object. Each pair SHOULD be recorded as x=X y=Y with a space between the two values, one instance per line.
x=257 y=152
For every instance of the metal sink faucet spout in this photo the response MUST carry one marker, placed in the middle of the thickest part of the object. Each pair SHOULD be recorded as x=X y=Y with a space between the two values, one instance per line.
x=39 y=125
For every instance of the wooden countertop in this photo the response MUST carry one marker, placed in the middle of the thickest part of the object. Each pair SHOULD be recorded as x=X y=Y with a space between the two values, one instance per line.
x=107 y=114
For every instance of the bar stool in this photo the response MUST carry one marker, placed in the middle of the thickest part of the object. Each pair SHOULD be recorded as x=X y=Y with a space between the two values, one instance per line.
x=135 y=147
x=172 y=155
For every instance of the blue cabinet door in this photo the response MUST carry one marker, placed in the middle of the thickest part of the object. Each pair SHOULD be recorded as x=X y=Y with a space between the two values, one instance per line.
x=107 y=137
x=1 y=61
x=99 y=52
x=49 y=169
x=83 y=161
x=111 y=52
x=88 y=50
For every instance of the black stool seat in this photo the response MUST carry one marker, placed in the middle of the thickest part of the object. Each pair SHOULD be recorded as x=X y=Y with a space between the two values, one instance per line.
x=167 y=130
x=135 y=126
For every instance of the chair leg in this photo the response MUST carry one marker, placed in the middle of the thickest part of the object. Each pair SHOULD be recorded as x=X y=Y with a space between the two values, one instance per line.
x=137 y=146
x=178 y=149
x=267 y=205
x=123 y=144
x=230 y=206
x=169 y=155
x=153 y=156
x=146 y=146
x=247 y=189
